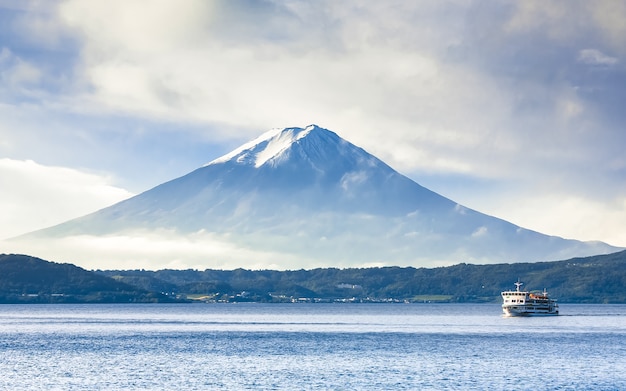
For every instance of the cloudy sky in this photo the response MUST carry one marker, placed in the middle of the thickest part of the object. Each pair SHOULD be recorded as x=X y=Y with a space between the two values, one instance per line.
x=515 y=109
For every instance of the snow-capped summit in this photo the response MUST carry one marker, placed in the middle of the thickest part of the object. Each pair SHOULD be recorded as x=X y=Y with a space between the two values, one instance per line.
x=303 y=197
x=310 y=148
x=269 y=146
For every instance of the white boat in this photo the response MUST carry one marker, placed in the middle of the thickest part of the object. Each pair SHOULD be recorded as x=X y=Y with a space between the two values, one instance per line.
x=524 y=303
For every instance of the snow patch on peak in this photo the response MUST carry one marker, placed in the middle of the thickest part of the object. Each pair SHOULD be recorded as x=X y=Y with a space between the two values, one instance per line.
x=265 y=147
x=279 y=143
x=237 y=153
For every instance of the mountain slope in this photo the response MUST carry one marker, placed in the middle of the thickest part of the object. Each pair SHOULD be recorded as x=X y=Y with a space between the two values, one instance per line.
x=304 y=197
x=26 y=279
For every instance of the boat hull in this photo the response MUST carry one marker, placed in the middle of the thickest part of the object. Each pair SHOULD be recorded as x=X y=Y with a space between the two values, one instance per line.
x=526 y=311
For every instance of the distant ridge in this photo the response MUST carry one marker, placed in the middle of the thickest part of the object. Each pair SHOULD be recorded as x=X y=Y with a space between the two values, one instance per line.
x=597 y=279
x=298 y=198
x=26 y=279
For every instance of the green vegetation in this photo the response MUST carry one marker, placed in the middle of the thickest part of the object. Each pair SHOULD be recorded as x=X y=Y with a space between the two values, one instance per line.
x=599 y=279
x=25 y=279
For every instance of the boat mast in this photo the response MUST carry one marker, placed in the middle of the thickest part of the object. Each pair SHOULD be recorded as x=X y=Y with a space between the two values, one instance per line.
x=518 y=284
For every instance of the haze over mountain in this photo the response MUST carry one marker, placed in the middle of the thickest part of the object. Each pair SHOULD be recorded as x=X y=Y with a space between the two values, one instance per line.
x=296 y=198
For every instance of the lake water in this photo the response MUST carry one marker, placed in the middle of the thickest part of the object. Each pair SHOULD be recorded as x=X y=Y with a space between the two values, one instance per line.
x=309 y=347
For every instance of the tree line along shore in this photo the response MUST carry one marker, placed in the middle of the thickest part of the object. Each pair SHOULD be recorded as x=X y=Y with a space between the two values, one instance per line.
x=596 y=279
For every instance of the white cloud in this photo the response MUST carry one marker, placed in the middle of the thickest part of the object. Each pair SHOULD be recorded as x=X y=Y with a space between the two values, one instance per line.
x=15 y=72
x=351 y=179
x=609 y=17
x=596 y=57
x=158 y=249
x=571 y=21
x=480 y=232
x=35 y=196
x=566 y=215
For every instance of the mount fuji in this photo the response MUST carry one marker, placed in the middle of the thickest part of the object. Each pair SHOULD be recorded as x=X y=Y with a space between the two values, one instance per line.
x=296 y=198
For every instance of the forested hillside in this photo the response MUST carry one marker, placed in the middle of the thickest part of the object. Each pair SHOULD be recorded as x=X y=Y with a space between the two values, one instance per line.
x=25 y=279
x=598 y=279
